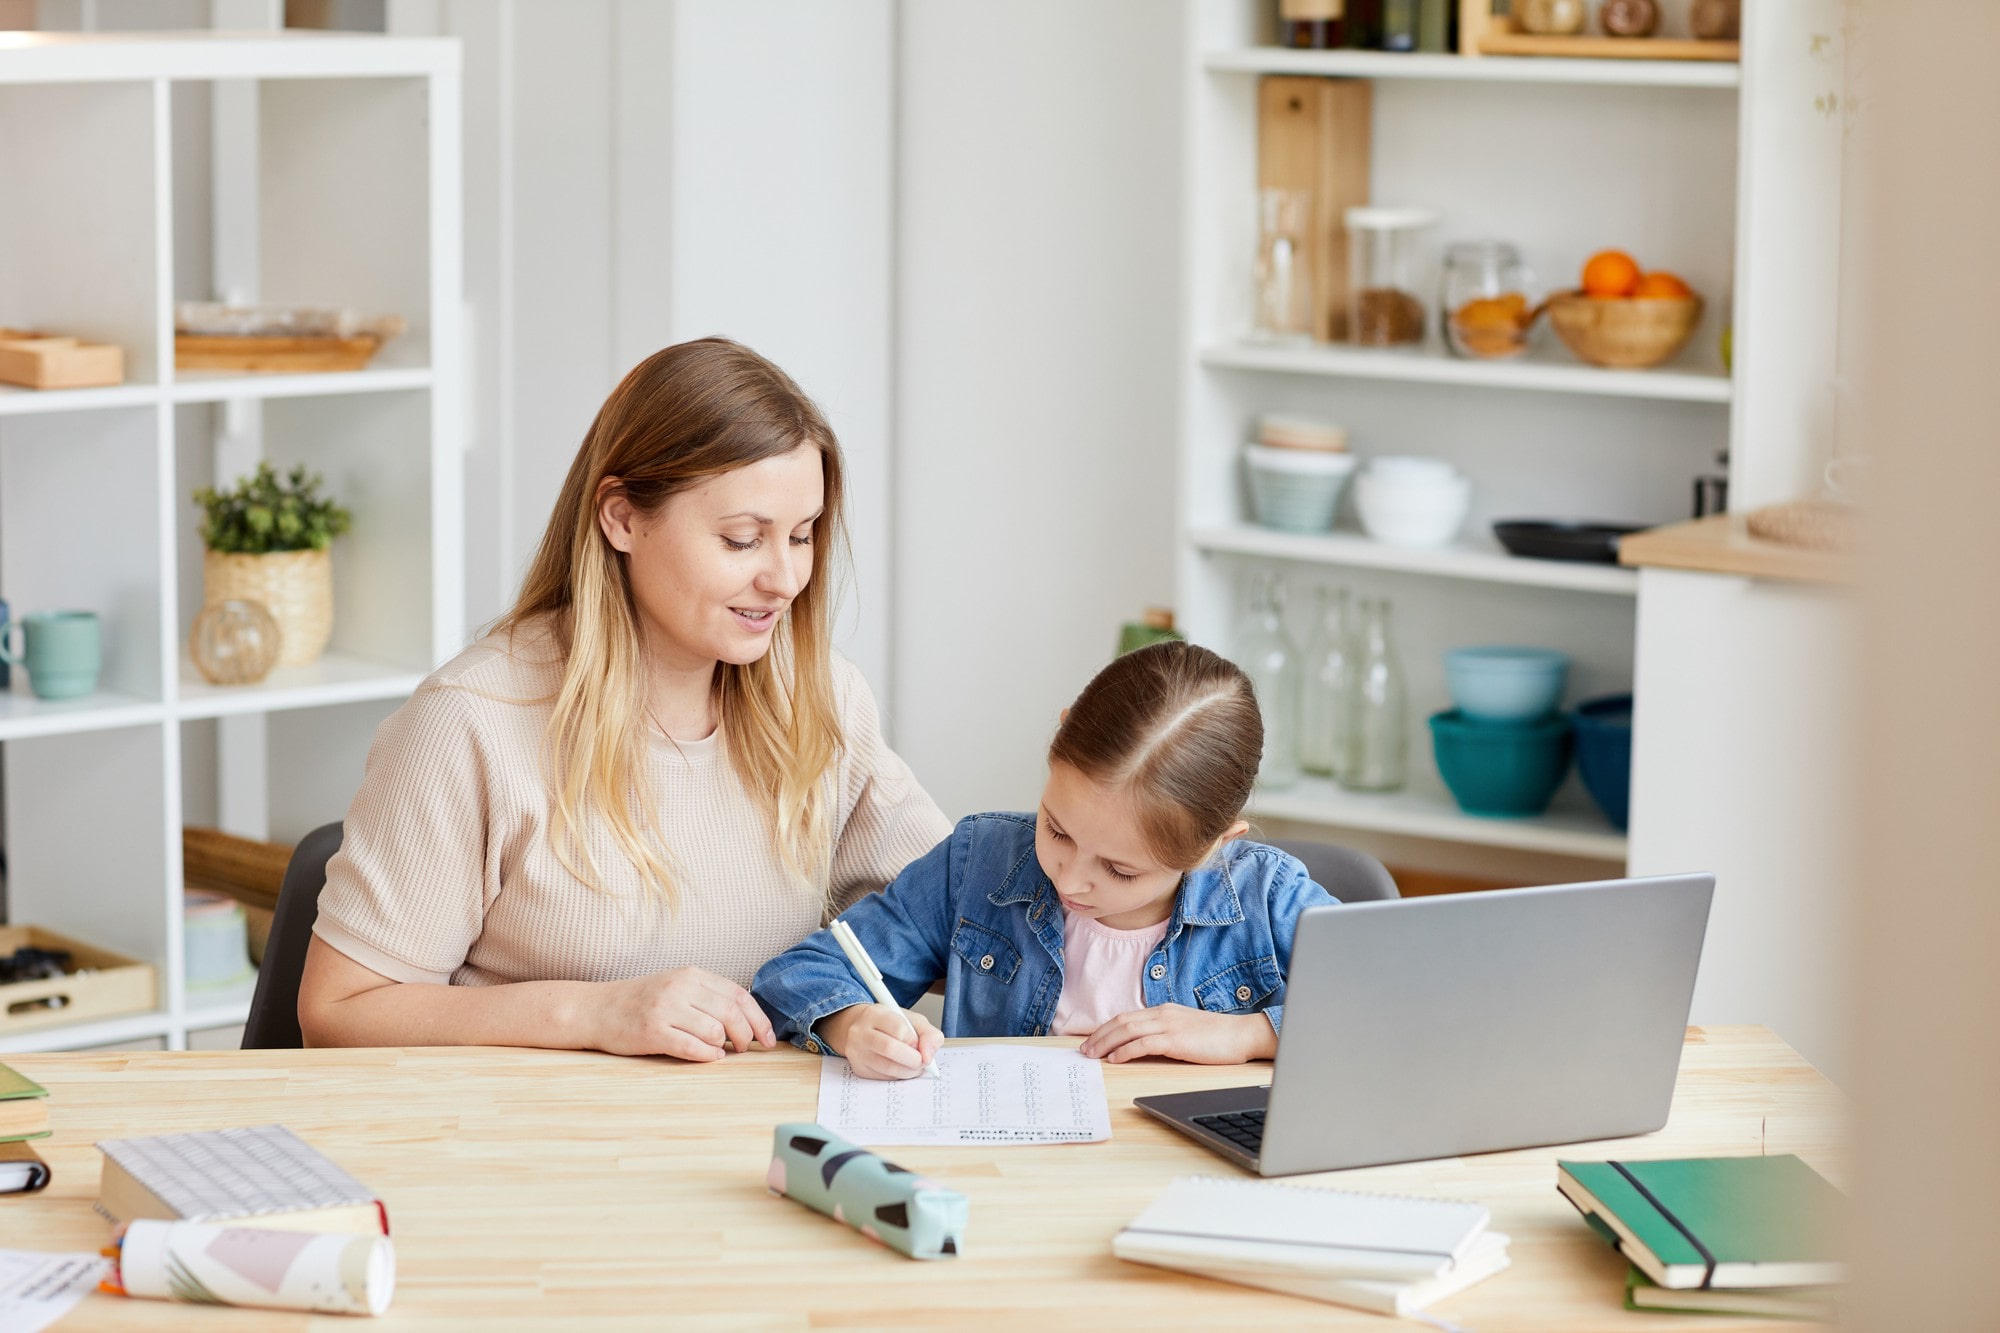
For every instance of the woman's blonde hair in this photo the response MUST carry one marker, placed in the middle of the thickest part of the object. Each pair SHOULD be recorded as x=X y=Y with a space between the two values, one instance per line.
x=1177 y=728
x=682 y=415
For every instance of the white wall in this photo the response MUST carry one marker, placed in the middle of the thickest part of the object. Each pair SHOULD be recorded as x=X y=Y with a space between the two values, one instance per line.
x=639 y=172
x=1039 y=174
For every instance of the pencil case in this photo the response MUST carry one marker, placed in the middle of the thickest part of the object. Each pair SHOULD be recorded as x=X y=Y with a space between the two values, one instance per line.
x=266 y=1269
x=883 y=1201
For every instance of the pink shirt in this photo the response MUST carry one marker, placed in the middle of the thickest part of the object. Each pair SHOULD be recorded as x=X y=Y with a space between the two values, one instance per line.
x=1102 y=969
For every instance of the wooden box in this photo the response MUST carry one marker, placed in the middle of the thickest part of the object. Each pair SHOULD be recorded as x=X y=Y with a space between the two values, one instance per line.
x=1313 y=135
x=46 y=361
x=291 y=356
x=104 y=985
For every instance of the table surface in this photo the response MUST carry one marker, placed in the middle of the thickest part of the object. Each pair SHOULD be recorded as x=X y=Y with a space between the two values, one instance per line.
x=541 y=1189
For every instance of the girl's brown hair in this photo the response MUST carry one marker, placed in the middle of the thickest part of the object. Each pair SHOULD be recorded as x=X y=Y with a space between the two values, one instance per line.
x=1177 y=727
x=682 y=415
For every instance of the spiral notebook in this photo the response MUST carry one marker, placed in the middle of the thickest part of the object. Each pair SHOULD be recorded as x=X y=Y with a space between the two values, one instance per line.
x=1208 y=1223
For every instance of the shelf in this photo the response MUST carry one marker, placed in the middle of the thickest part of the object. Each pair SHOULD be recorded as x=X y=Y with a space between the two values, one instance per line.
x=404 y=363
x=17 y=401
x=1544 y=371
x=128 y=1027
x=1486 y=563
x=1489 y=69
x=22 y=715
x=335 y=679
x=1419 y=814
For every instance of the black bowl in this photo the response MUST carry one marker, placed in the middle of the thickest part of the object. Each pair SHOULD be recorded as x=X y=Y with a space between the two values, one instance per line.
x=1549 y=540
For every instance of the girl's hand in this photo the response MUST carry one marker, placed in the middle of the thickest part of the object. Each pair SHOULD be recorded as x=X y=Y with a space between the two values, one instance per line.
x=1181 y=1033
x=876 y=1041
x=688 y=1012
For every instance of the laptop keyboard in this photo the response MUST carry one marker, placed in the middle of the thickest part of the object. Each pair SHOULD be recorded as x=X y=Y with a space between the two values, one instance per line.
x=1245 y=1129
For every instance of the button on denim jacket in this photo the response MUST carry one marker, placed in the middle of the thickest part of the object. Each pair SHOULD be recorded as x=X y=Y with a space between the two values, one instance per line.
x=977 y=911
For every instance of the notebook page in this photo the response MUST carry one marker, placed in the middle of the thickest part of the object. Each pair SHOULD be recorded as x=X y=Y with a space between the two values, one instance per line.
x=984 y=1094
x=1300 y=1219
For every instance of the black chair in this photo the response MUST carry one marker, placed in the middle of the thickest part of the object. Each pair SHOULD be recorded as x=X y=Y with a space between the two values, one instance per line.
x=274 y=1009
x=1351 y=876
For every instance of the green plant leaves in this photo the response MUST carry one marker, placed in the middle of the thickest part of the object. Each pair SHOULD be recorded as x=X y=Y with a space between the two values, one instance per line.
x=265 y=514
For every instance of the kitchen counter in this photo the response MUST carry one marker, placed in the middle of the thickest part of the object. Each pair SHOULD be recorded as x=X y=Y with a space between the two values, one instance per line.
x=1722 y=545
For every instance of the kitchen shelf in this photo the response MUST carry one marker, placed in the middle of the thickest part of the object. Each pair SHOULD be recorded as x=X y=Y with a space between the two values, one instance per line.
x=336 y=678
x=1537 y=371
x=103 y=1032
x=1489 y=69
x=1421 y=814
x=1487 y=563
x=404 y=363
x=18 y=401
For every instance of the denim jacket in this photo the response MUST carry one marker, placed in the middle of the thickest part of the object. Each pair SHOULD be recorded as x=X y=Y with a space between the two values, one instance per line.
x=977 y=911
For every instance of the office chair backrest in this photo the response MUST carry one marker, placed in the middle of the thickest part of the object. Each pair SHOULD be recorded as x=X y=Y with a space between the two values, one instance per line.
x=274 y=1009
x=1351 y=876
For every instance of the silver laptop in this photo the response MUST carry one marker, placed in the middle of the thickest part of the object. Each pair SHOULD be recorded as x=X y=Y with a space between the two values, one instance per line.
x=1471 y=1022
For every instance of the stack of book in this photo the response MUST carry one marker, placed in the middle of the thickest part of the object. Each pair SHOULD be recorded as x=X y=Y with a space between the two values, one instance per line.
x=1722 y=1235
x=1378 y=1252
x=24 y=1115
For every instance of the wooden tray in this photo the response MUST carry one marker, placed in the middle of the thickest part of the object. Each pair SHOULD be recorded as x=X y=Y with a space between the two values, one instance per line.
x=288 y=356
x=1500 y=39
x=48 y=361
x=105 y=985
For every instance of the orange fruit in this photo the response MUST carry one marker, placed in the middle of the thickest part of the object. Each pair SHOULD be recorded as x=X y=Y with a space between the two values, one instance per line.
x=1610 y=273
x=1662 y=285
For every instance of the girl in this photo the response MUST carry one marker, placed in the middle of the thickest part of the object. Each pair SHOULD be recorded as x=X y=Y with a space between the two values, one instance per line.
x=1123 y=911
x=589 y=828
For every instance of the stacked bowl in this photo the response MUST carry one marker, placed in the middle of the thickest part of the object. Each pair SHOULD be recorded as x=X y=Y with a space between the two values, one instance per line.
x=1298 y=468
x=1504 y=749
x=1410 y=501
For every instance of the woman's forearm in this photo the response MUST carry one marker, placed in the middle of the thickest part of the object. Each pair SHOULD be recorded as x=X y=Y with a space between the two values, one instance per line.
x=548 y=1014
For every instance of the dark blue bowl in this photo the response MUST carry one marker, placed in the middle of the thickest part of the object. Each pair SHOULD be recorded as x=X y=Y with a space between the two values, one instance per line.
x=1501 y=768
x=1604 y=754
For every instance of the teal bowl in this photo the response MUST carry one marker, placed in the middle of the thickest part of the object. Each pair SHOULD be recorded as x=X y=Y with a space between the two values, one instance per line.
x=1505 y=769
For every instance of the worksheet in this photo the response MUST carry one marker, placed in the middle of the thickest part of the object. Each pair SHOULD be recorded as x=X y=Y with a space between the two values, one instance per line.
x=983 y=1094
x=37 y=1289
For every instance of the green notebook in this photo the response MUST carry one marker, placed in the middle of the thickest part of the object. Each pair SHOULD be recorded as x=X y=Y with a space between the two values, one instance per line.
x=24 y=1108
x=1812 y=1303
x=1714 y=1221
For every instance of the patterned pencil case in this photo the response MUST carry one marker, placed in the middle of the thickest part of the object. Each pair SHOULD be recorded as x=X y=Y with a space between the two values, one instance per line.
x=881 y=1200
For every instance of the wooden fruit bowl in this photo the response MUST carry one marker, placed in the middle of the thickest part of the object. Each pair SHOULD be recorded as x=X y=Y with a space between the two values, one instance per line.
x=1628 y=333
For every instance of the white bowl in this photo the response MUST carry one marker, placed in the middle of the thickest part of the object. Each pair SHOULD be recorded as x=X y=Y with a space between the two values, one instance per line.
x=1411 y=468
x=1430 y=518
x=1307 y=462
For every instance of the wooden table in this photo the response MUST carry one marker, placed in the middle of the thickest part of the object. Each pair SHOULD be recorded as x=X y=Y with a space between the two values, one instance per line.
x=538 y=1190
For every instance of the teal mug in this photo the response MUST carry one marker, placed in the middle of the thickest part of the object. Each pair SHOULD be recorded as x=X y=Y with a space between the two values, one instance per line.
x=64 y=651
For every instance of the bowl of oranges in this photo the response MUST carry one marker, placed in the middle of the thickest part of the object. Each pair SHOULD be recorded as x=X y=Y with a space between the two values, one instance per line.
x=1623 y=316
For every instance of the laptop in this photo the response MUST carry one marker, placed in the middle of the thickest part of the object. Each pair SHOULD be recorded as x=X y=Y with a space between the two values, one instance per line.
x=1463 y=1023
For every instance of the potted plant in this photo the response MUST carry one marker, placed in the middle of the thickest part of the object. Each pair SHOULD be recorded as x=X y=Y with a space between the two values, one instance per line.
x=267 y=542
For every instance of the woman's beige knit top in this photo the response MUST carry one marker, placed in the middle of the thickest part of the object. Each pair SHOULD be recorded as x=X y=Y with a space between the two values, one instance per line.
x=446 y=873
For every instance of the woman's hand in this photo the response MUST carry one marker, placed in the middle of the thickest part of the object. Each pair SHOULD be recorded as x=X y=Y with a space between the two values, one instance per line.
x=688 y=1012
x=1181 y=1033
x=876 y=1041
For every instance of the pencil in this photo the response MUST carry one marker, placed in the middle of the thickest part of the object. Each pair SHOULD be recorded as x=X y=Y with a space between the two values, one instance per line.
x=871 y=977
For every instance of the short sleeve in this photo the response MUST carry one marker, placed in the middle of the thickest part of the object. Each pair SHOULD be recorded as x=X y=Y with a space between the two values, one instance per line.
x=406 y=894
x=888 y=819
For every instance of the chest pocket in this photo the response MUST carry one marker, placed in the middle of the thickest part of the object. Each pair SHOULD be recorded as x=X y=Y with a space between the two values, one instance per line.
x=1242 y=987
x=987 y=953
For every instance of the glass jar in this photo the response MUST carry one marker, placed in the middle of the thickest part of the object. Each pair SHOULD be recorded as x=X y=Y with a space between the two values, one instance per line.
x=1377 y=740
x=1283 y=308
x=1488 y=300
x=234 y=642
x=1324 y=702
x=1319 y=25
x=1384 y=308
x=1550 y=18
x=1269 y=657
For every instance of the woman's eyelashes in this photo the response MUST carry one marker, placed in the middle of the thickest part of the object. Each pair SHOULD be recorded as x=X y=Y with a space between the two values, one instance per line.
x=754 y=542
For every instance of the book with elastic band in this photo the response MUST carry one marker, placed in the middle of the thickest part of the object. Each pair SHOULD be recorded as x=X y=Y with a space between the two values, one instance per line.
x=24 y=1107
x=1709 y=1222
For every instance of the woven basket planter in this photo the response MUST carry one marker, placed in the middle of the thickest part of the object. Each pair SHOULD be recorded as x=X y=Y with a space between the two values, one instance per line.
x=295 y=586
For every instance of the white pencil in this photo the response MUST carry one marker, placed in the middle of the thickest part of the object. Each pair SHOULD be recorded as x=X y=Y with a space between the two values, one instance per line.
x=871 y=977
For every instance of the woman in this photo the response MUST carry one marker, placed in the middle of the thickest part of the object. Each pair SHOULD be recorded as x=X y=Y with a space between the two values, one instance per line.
x=589 y=829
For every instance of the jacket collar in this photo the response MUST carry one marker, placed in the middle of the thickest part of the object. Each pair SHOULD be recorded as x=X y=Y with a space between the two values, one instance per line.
x=1207 y=894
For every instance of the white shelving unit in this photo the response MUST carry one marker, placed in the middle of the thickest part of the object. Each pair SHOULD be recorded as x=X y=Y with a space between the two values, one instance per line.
x=348 y=194
x=1723 y=173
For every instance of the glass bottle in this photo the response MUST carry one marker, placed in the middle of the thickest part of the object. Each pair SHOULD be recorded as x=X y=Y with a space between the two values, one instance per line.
x=1269 y=657
x=1284 y=286
x=1328 y=681
x=1377 y=739
x=1313 y=24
